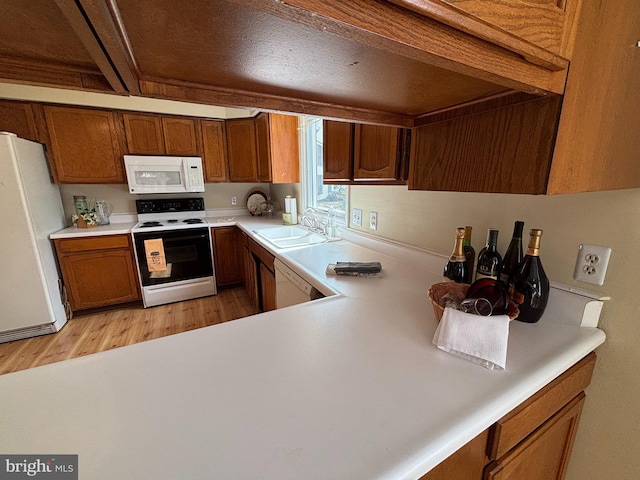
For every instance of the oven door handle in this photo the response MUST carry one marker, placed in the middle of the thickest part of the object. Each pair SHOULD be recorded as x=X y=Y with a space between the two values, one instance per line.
x=182 y=239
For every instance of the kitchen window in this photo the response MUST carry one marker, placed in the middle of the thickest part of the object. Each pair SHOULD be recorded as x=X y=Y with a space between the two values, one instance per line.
x=315 y=193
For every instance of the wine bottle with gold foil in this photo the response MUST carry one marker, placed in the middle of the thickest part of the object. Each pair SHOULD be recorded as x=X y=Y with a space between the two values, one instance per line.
x=456 y=267
x=530 y=288
x=469 y=253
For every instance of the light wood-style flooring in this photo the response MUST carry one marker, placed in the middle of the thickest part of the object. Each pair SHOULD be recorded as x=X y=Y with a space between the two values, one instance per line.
x=96 y=332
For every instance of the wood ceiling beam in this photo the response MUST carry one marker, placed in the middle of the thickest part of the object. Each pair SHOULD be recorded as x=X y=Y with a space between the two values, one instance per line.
x=210 y=95
x=85 y=34
x=107 y=24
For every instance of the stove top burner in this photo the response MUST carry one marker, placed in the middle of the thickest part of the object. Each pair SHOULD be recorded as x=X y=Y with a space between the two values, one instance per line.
x=150 y=224
x=191 y=221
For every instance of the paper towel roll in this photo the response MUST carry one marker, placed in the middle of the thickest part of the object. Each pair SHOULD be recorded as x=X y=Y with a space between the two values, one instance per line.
x=291 y=207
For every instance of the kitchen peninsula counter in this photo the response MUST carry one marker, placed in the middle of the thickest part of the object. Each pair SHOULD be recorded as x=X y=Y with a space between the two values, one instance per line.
x=346 y=387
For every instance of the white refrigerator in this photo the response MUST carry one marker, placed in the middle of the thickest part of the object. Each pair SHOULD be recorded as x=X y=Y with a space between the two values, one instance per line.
x=31 y=296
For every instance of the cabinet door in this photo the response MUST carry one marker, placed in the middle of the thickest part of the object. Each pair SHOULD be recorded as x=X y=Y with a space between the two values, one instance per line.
x=144 y=134
x=100 y=278
x=251 y=277
x=267 y=288
x=598 y=144
x=227 y=256
x=180 y=136
x=285 y=148
x=337 y=154
x=545 y=454
x=376 y=152
x=466 y=464
x=86 y=145
x=495 y=148
x=214 y=149
x=263 y=147
x=241 y=150
x=17 y=117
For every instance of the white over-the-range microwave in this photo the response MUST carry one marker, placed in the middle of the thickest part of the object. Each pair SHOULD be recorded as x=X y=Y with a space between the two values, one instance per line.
x=156 y=174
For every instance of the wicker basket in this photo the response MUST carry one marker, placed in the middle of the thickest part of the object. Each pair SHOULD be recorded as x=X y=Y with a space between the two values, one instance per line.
x=437 y=290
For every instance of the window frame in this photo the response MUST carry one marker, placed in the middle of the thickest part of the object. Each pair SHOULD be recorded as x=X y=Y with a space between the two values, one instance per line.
x=308 y=180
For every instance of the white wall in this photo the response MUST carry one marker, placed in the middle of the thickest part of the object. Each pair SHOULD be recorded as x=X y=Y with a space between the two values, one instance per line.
x=606 y=445
x=216 y=195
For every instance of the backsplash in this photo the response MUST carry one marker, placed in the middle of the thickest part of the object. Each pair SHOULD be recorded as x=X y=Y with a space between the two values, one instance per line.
x=216 y=195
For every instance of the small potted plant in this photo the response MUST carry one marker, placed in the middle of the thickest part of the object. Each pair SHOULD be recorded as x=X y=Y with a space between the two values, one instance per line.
x=86 y=218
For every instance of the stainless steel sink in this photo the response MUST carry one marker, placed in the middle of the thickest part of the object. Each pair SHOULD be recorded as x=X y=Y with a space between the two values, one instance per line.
x=287 y=236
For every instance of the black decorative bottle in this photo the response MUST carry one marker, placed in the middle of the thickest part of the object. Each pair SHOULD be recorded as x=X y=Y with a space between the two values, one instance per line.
x=489 y=260
x=456 y=267
x=469 y=253
x=530 y=288
x=513 y=257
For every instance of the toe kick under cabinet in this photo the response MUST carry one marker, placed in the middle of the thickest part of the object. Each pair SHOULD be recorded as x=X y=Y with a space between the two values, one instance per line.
x=532 y=442
x=98 y=271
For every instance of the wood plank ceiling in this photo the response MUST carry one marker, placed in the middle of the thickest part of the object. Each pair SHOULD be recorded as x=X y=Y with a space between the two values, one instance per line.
x=370 y=61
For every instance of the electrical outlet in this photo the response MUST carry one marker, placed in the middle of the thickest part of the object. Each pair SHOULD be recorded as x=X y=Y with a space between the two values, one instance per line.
x=356 y=217
x=234 y=200
x=373 y=220
x=591 y=264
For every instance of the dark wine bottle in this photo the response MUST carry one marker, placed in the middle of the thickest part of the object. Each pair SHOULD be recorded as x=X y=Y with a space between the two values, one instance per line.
x=456 y=267
x=530 y=289
x=489 y=260
x=513 y=257
x=469 y=253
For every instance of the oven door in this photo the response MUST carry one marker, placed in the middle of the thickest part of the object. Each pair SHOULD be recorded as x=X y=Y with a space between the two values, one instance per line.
x=185 y=254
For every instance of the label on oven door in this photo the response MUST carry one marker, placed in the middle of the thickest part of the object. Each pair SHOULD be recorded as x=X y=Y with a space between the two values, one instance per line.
x=154 y=251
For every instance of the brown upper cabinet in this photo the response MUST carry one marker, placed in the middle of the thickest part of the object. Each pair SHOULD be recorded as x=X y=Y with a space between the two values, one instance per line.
x=144 y=134
x=18 y=118
x=86 y=145
x=214 y=151
x=358 y=153
x=263 y=149
x=493 y=147
x=160 y=135
x=584 y=141
x=181 y=135
x=241 y=150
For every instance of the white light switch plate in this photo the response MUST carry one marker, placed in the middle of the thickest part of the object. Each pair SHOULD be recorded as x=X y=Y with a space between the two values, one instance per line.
x=356 y=217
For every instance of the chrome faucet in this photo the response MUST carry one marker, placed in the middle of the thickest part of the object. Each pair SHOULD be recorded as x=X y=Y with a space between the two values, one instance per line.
x=310 y=220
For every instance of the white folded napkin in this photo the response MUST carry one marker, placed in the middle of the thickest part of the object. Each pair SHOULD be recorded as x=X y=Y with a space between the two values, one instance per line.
x=482 y=340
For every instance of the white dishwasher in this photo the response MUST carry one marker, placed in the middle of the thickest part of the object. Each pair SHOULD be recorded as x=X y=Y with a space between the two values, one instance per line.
x=291 y=288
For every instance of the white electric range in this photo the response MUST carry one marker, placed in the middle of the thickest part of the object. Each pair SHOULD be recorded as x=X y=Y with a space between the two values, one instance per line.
x=173 y=250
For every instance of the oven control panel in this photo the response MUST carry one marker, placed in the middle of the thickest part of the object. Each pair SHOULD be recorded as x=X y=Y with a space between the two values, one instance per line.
x=162 y=205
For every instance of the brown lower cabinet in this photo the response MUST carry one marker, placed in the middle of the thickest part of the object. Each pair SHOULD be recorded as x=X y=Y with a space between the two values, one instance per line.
x=532 y=442
x=227 y=255
x=260 y=277
x=98 y=271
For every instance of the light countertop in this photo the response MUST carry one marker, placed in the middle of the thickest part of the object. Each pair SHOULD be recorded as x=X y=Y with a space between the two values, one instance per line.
x=346 y=387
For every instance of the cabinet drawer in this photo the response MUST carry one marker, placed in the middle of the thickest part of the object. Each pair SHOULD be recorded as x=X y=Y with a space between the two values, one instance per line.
x=265 y=257
x=511 y=429
x=545 y=454
x=67 y=245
